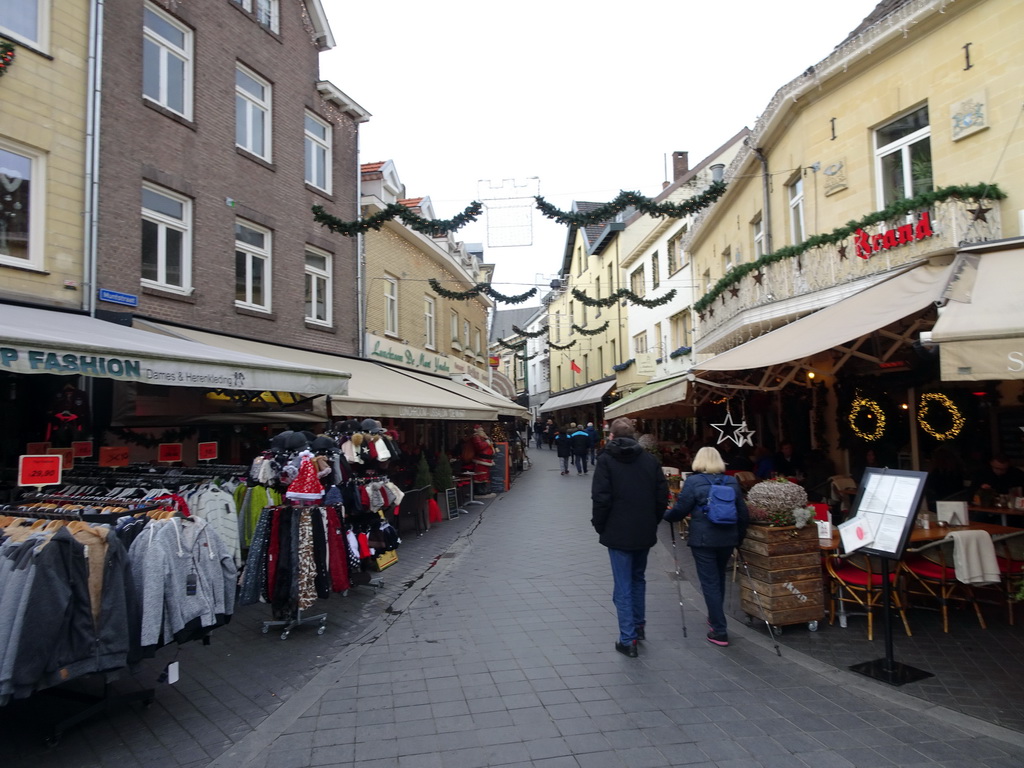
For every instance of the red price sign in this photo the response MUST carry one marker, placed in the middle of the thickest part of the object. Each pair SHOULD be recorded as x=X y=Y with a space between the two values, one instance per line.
x=39 y=470
x=37 y=449
x=67 y=456
x=168 y=452
x=207 y=451
x=81 y=449
x=114 y=456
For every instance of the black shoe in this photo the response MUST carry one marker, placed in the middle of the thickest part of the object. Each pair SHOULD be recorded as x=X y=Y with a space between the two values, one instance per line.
x=627 y=650
x=722 y=640
x=641 y=632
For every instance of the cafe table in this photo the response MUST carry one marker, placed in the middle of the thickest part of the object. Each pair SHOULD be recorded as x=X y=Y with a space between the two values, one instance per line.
x=1005 y=513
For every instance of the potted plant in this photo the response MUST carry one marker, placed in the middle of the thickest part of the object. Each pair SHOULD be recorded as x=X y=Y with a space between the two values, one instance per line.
x=782 y=556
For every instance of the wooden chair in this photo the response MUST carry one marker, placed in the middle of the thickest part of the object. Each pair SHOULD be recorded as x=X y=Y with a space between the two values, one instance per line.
x=855 y=579
x=930 y=573
x=1010 y=556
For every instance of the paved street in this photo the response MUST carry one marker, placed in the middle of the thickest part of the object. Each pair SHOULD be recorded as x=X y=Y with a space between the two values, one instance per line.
x=491 y=643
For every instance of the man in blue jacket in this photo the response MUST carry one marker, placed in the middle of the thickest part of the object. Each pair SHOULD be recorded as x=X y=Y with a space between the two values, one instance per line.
x=629 y=495
x=580 y=442
x=592 y=431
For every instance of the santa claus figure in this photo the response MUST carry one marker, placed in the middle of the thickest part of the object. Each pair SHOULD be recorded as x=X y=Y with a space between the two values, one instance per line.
x=478 y=455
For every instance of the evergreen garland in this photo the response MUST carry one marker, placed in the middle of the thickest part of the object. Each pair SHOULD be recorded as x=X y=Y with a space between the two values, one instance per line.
x=563 y=347
x=898 y=208
x=477 y=289
x=624 y=365
x=594 y=332
x=513 y=347
x=622 y=293
x=635 y=200
x=6 y=56
x=530 y=334
x=430 y=227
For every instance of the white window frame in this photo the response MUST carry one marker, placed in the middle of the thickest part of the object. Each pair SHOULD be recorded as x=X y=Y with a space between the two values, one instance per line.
x=795 y=195
x=36 y=208
x=903 y=145
x=168 y=49
x=453 y=321
x=655 y=270
x=318 y=148
x=319 y=281
x=251 y=103
x=42 y=27
x=267 y=12
x=757 y=231
x=476 y=342
x=430 y=322
x=640 y=343
x=638 y=281
x=252 y=254
x=466 y=327
x=390 y=305
x=164 y=223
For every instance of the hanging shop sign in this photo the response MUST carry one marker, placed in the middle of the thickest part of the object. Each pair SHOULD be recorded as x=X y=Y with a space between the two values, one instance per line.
x=868 y=244
x=391 y=351
x=207 y=451
x=168 y=452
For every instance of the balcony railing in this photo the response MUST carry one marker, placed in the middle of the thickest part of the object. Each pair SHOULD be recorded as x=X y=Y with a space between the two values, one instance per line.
x=801 y=284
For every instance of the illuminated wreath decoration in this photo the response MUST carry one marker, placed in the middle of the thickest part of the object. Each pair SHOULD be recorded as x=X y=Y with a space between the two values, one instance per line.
x=875 y=410
x=956 y=418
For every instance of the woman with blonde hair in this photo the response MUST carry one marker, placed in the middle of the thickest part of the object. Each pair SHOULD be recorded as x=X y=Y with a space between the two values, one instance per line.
x=711 y=543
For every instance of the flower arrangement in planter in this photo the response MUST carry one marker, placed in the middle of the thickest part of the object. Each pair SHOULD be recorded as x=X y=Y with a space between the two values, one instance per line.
x=779 y=503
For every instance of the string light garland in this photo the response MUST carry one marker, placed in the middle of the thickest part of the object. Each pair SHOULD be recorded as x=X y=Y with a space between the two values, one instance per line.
x=6 y=56
x=838 y=235
x=623 y=293
x=479 y=288
x=874 y=411
x=430 y=227
x=956 y=419
x=635 y=200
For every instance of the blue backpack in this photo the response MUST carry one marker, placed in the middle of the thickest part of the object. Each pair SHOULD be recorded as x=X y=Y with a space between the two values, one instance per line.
x=720 y=507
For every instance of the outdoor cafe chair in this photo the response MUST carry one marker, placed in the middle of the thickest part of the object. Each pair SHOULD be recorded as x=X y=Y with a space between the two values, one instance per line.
x=855 y=579
x=1010 y=556
x=930 y=573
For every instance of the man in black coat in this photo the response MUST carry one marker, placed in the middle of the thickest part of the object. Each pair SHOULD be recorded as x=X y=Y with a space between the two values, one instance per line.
x=579 y=440
x=629 y=496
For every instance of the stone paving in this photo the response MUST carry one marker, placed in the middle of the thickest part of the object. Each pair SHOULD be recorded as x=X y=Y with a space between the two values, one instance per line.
x=491 y=643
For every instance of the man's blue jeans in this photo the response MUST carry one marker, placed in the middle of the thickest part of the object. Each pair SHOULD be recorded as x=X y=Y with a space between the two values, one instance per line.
x=630 y=592
x=580 y=460
x=711 y=563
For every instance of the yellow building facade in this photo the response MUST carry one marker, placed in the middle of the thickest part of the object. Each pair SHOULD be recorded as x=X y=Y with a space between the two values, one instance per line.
x=43 y=157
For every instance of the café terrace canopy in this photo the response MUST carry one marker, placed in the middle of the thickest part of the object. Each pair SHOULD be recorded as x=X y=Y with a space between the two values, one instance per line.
x=980 y=330
x=375 y=390
x=582 y=396
x=880 y=305
x=35 y=341
x=649 y=397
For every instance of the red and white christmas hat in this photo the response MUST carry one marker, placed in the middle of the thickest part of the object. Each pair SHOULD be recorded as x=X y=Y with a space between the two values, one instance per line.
x=306 y=486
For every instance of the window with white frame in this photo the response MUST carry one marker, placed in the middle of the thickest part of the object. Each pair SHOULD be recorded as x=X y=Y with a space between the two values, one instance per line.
x=672 y=252
x=26 y=21
x=640 y=343
x=636 y=282
x=22 y=203
x=681 y=329
x=390 y=305
x=795 y=191
x=757 y=232
x=265 y=11
x=252 y=112
x=319 y=269
x=659 y=347
x=318 y=153
x=465 y=336
x=454 y=327
x=476 y=342
x=586 y=367
x=600 y=361
x=579 y=261
x=903 y=157
x=429 y=322
x=655 y=270
x=166 y=239
x=520 y=368
x=727 y=262
x=252 y=266
x=558 y=327
x=166 y=61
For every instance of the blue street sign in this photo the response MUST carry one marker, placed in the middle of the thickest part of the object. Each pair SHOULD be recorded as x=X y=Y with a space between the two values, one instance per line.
x=115 y=297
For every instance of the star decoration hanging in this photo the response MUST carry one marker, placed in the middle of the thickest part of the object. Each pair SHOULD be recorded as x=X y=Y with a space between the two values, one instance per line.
x=731 y=427
x=842 y=252
x=734 y=291
x=978 y=214
x=758 y=276
x=744 y=434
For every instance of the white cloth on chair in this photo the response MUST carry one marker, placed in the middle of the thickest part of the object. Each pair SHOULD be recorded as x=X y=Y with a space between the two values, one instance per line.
x=974 y=557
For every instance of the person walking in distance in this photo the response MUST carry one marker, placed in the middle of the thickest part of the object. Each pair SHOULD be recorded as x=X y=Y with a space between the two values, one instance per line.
x=592 y=431
x=711 y=543
x=550 y=430
x=580 y=441
x=564 y=448
x=629 y=494
x=538 y=433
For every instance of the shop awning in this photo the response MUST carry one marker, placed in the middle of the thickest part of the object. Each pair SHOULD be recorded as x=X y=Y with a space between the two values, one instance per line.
x=375 y=390
x=582 y=396
x=980 y=330
x=484 y=394
x=34 y=340
x=873 y=308
x=656 y=394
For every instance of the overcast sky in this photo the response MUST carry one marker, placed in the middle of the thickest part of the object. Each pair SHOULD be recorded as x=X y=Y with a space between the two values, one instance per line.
x=588 y=98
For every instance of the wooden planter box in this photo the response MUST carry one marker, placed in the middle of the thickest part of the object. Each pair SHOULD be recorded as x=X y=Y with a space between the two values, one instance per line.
x=785 y=569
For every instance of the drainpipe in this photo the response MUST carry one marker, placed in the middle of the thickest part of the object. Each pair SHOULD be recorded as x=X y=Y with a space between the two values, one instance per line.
x=766 y=216
x=360 y=261
x=92 y=156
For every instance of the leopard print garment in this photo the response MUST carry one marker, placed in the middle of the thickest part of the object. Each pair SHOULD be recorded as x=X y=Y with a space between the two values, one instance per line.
x=307 y=563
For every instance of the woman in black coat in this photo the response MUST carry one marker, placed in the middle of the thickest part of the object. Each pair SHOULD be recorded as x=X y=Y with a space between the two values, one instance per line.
x=564 y=448
x=711 y=544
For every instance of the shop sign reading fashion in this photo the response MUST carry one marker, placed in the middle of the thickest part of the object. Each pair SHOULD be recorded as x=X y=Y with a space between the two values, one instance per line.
x=868 y=244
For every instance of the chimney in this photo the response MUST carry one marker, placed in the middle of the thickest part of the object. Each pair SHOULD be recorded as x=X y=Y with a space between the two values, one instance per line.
x=680 y=165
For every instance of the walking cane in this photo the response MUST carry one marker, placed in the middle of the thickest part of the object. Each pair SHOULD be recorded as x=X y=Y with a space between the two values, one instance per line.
x=679 y=576
x=760 y=605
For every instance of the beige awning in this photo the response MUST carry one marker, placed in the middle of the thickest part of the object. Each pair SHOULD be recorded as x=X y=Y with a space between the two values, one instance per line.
x=873 y=308
x=653 y=395
x=484 y=394
x=35 y=340
x=980 y=330
x=583 y=396
x=375 y=390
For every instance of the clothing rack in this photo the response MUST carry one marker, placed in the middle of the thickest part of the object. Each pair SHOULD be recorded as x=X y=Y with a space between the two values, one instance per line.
x=288 y=625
